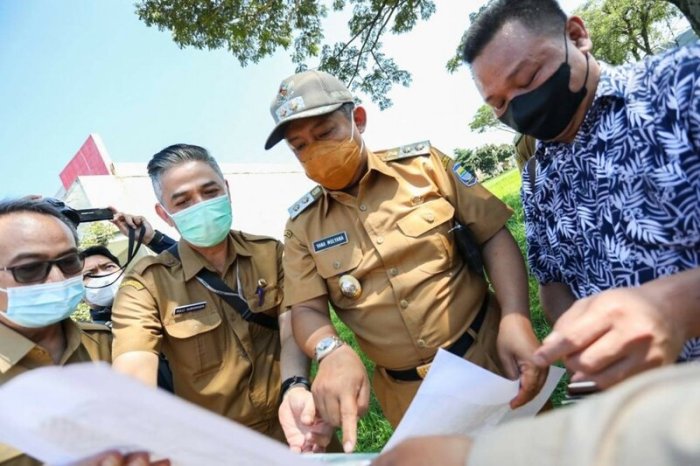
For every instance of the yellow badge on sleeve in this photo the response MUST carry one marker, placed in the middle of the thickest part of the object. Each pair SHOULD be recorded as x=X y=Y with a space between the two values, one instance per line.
x=132 y=283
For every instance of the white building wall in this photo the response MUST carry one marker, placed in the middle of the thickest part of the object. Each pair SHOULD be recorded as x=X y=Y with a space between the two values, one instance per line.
x=260 y=194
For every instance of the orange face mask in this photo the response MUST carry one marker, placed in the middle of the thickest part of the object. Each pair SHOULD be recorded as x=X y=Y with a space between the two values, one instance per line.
x=332 y=164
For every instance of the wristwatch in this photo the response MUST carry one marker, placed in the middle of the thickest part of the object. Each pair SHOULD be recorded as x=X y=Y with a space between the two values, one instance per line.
x=326 y=345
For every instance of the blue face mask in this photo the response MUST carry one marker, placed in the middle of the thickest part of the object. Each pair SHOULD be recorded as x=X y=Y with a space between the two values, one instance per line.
x=205 y=224
x=44 y=304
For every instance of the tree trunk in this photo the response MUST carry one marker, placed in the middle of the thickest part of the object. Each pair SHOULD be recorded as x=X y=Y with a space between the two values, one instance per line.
x=691 y=10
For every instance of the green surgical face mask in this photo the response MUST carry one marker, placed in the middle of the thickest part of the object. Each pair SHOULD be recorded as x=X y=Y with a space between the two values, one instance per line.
x=205 y=224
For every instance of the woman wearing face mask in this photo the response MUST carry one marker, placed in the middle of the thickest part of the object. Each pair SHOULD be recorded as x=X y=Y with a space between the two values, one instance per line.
x=102 y=275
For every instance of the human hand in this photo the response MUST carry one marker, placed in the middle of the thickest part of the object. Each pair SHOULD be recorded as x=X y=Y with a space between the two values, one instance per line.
x=613 y=335
x=427 y=451
x=516 y=345
x=124 y=221
x=341 y=392
x=115 y=458
x=304 y=430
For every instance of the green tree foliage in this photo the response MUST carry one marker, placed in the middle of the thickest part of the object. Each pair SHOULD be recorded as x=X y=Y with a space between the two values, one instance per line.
x=254 y=29
x=97 y=233
x=627 y=30
x=485 y=119
x=484 y=159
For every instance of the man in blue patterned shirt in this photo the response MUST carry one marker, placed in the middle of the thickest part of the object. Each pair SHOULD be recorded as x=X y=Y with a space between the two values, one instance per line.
x=613 y=213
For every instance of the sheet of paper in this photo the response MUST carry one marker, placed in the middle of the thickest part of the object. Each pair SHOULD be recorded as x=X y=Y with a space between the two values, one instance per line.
x=61 y=414
x=459 y=397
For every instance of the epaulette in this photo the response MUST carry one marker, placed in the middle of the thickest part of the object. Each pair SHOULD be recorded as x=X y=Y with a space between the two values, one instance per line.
x=93 y=327
x=404 y=152
x=164 y=258
x=252 y=237
x=304 y=202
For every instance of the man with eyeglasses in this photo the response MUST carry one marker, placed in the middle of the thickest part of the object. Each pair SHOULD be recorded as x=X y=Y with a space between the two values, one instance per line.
x=40 y=286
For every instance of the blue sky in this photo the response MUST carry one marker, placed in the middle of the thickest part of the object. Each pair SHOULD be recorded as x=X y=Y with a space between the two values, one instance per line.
x=74 y=67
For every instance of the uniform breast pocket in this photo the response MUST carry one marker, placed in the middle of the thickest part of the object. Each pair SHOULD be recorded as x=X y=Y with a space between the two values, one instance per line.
x=333 y=264
x=195 y=342
x=427 y=238
x=660 y=208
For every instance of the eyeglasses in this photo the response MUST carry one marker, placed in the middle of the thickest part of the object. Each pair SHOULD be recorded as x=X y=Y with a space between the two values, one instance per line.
x=71 y=264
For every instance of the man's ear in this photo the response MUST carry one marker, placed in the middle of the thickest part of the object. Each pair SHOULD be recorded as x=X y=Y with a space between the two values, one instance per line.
x=160 y=210
x=577 y=32
x=360 y=118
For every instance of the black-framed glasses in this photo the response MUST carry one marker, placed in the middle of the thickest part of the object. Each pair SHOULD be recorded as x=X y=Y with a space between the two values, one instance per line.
x=33 y=272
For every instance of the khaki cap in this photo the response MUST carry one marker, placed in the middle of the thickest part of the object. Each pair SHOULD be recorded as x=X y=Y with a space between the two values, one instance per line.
x=302 y=95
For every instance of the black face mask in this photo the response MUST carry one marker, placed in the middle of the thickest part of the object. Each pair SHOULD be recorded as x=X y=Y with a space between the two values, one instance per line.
x=544 y=112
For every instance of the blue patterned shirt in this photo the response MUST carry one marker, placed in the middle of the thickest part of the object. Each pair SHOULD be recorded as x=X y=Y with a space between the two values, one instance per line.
x=620 y=205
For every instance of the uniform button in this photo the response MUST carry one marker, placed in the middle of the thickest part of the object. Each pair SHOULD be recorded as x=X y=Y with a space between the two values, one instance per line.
x=416 y=200
x=420 y=146
x=430 y=218
x=394 y=271
x=363 y=207
x=421 y=343
x=380 y=239
x=404 y=303
x=296 y=207
x=336 y=264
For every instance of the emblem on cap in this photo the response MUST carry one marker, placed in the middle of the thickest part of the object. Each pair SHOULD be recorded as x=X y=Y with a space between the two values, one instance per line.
x=283 y=92
x=350 y=286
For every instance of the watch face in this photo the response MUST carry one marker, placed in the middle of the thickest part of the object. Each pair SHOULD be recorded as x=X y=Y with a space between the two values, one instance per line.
x=324 y=344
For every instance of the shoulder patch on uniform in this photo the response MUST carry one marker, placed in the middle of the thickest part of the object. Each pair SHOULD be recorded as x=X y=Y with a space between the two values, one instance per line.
x=132 y=283
x=463 y=175
x=404 y=152
x=304 y=202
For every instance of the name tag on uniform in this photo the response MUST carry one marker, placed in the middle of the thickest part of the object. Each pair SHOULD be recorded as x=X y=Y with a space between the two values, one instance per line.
x=330 y=241
x=190 y=308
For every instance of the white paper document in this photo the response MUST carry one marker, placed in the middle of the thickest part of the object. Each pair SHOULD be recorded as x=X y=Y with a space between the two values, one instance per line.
x=459 y=397
x=61 y=414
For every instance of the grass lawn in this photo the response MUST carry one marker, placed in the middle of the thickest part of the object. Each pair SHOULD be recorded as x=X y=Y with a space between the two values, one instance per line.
x=373 y=429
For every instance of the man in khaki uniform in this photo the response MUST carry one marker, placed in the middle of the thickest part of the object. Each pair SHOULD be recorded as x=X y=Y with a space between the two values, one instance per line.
x=650 y=419
x=40 y=285
x=376 y=241
x=221 y=359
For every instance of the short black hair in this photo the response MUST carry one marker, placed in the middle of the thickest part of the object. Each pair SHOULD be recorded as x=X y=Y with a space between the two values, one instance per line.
x=99 y=251
x=174 y=155
x=541 y=16
x=39 y=206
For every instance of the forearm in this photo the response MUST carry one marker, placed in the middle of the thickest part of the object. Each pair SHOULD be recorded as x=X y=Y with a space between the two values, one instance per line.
x=555 y=298
x=141 y=365
x=678 y=297
x=311 y=322
x=293 y=361
x=506 y=270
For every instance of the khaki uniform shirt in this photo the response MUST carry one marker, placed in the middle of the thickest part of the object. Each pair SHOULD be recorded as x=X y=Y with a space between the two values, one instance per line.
x=395 y=239
x=84 y=342
x=652 y=419
x=219 y=360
